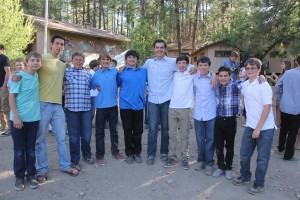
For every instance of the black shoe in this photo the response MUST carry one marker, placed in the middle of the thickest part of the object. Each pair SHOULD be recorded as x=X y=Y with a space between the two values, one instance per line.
x=33 y=184
x=239 y=181
x=6 y=133
x=138 y=158
x=170 y=162
x=19 y=185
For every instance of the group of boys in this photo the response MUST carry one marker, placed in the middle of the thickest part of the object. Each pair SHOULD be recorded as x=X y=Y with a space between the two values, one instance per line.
x=172 y=87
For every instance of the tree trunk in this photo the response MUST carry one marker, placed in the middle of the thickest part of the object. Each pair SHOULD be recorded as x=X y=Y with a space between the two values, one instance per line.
x=122 y=15
x=195 y=25
x=178 y=26
x=83 y=13
x=99 y=13
x=94 y=13
x=88 y=11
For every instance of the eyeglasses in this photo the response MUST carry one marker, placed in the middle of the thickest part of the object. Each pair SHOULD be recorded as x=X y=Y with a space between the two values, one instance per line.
x=252 y=68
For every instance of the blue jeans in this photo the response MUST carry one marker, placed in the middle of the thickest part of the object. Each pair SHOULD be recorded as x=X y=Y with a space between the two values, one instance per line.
x=264 y=144
x=205 y=141
x=54 y=114
x=80 y=129
x=158 y=112
x=101 y=115
x=24 y=149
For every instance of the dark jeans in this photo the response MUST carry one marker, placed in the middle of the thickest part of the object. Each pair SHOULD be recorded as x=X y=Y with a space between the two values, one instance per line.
x=132 y=121
x=225 y=129
x=80 y=131
x=288 y=132
x=24 y=149
x=146 y=111
x=93 y=106
x=101 y=115
x=264 y=145
x=156 y=112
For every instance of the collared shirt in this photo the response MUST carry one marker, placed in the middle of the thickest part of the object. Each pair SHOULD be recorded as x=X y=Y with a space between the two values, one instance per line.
x=107 y=81
x=256 y=96
x=205 y=105
x=133 y=85
x=77 y=89
x=182 y=96
x=160 y=78
x=228 y=63
x=228 y=99
x=287 y=90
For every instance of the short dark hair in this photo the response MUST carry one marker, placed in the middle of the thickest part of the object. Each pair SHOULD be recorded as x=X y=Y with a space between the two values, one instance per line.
x=253 y=61
x=182 y=58
x=114 y=61
x=1 y=47
x=21 y=60
x=56 y=36
x=298 y=60
x=159 y=41
x=78 y=54
x=105 y=54
x=288 y=64
x=133 y=53
x=204 y=59
x=234 y=54
x=224 y=69
x=94 y=63
x=33 y=54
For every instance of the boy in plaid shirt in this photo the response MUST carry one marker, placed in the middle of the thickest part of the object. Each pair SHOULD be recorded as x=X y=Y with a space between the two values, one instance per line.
x=228 y=103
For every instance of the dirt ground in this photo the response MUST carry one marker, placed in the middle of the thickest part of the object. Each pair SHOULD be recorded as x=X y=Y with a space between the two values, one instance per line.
x=119 y=180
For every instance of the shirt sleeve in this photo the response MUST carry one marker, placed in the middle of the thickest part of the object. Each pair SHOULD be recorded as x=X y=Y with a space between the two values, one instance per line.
x=6 y=62
x=94 y=82
x=119 y=80
x=15 y=87
x=266 y=93
x=278 y=87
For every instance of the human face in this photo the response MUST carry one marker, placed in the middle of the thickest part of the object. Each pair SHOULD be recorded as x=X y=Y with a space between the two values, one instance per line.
x=96 y=68
x=34 y=63
x=232 y=58
x=252 y=72
x=182 y=65
x=283 y=65
x=105 y=62
x=224 y=77
x=131 y=61
x=19 y=66
x=203 y=68
x=57 y=47
x=77 y=62
x=159 y=50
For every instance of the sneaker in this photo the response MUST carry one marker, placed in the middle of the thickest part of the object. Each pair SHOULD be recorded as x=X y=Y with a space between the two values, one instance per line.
x=33 y=184
x=185 y=164
x=76 y=166
x=89 y=161
x=6 y=133
x=129 y=159
x=2 y=129
x=163 y=157
x=119 y=157
x=239 y=181
x=150 y=160
x=101 y=161
x=208 y=170
x=256 y=189
x=138 y=158
x=228 y=174
x=218 y=173
x=19 y=185
x=170 y=162
x=199 y=166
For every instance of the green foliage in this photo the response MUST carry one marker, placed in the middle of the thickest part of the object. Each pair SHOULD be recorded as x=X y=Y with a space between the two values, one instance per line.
x=16 y=31
x=262 y=26
x=142 y=38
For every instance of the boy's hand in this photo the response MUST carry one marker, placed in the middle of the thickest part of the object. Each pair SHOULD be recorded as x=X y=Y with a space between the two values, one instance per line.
x=214 y=80
x=3 y=88
x=262 y=79
x=99 y=88
x=15 y=78
x=193 y=71
x=121 y=70
x=255 y=134
x=18 y=123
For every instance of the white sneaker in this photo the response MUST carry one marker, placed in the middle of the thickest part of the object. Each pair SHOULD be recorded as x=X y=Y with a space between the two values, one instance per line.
x=218 y=173
x=228 y=174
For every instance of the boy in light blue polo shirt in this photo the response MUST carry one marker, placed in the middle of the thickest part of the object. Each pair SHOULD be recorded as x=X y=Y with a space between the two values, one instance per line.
x=25 y=116
x=105 y=80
